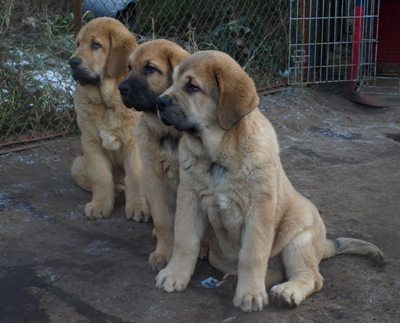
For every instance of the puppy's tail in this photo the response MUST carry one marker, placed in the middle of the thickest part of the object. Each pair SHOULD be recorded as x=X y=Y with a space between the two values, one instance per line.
x=353 y=246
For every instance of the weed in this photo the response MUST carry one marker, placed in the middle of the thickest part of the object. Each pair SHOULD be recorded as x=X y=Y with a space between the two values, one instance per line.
x=35 y=83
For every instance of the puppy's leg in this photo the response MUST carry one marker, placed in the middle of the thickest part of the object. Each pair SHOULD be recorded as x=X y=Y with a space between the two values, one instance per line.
x=99 y=171
x=79 y=173
x=257 y=240
x=189 y=228
x=163 y=207
x=301 y=264
x=135 y=202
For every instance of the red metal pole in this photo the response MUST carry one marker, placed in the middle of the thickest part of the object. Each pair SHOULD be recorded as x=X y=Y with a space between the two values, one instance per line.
x=357 y=37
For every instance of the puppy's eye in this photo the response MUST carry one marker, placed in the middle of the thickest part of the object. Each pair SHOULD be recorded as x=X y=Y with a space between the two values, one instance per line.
x=150 y=69
x=192 y=88
x=96 y=45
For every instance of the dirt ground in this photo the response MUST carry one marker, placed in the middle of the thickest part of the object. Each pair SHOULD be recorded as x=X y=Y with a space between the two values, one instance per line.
x=56 y=266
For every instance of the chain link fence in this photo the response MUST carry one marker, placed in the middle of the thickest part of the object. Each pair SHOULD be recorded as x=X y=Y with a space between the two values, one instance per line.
x=36 y=40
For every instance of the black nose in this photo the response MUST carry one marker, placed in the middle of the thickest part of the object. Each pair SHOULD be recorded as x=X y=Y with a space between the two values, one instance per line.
x=74 y=62
x=124 y=88
x=163 y=103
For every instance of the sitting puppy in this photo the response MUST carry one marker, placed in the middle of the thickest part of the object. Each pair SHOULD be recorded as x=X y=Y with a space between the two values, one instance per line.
x=232 y=184
x=151 y=65
x=110 y=152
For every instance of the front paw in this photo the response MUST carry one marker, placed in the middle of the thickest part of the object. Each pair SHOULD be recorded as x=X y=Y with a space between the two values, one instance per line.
x=158 y=261
x=249 y=302
x=170 y=280
x=286 y=295
x=95 y=210
x=137 y=214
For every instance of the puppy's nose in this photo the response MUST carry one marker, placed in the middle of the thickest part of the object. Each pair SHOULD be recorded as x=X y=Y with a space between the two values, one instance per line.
x=124 y=88
x=74 y=62
x=163 y=103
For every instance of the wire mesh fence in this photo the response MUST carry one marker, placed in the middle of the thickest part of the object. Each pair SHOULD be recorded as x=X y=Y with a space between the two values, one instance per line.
x=36 y=40
x=253 y=32
x=333 y=41
x=387 y=81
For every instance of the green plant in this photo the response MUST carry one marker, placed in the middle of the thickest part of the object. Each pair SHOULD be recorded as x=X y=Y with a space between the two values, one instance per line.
x=35 y=82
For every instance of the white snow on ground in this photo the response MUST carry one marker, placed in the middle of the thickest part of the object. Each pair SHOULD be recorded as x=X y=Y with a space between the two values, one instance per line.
x=55 y=79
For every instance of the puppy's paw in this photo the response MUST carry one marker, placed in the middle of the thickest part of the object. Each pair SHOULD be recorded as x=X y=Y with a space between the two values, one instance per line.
x=158 y=261
x=119 y=198
x=249 y=302
x=203 y=254
x=171 y=281
x=285 y=295
x=138 y=215
x=95 y=211
x=227 y=286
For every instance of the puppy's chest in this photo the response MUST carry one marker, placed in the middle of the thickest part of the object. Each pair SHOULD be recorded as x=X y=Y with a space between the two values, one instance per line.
x=115 y=130
x=110 y=138
x=160 y=151
x=169 y=160
x=222 y=195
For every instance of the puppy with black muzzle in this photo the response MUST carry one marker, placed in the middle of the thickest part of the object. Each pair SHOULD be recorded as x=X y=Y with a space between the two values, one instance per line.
x=151 y=65
x=232 y=184
x=110 y=161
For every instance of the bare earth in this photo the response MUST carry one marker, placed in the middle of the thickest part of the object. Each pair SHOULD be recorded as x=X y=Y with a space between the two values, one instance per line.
x=56 y=266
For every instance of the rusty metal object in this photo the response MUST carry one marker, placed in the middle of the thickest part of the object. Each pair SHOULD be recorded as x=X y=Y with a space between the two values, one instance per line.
x=23 y=140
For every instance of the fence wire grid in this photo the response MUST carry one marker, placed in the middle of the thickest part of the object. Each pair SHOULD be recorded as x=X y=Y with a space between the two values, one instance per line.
x=334 y=41
x=37 y=39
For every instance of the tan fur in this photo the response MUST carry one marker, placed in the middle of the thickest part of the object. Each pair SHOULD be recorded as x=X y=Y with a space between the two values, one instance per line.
x=110 y=151
x=158 y=143
x=233 y=185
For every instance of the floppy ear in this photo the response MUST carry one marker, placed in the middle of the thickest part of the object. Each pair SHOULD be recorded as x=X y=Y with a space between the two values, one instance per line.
x=176 y=56
x=122 y=44
x=237 y=94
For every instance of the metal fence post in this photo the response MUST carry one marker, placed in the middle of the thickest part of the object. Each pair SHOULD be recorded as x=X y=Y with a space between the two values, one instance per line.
x=77 y=8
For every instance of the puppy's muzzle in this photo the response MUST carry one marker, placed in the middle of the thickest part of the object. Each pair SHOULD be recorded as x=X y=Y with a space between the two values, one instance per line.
x=81 y=73
x=124 y=88
x=75 y=62
x=163 y=103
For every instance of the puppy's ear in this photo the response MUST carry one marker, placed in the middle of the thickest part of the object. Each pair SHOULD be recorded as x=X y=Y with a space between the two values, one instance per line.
x=122 y=44
x=237 y=94
x=176 y=55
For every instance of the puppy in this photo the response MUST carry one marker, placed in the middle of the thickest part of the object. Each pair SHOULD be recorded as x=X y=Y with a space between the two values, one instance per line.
x=110 y=158
x=151 y=65
x=232 y=183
